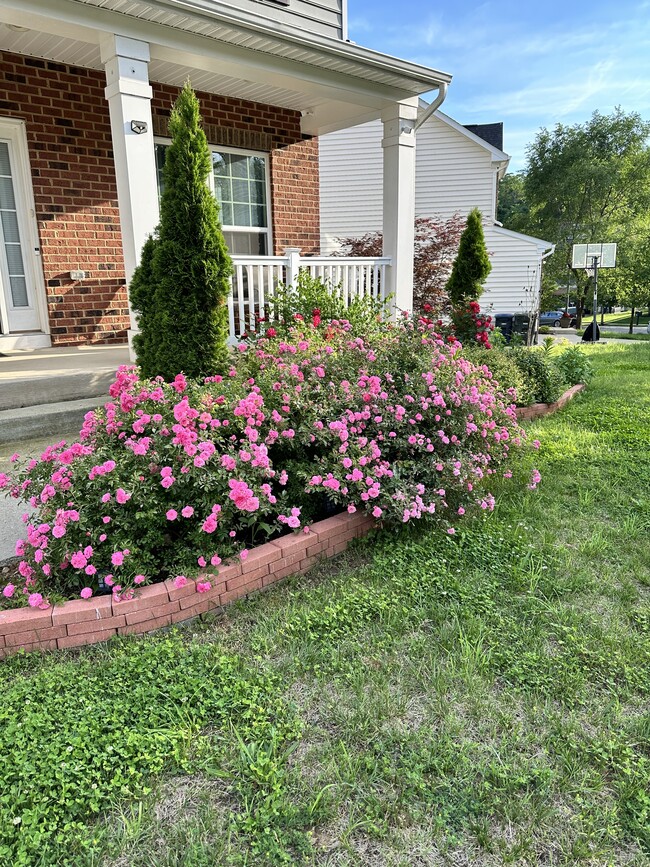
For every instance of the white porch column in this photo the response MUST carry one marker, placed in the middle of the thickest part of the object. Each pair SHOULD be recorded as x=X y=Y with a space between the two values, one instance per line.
x=399 y=199
x=129 y=99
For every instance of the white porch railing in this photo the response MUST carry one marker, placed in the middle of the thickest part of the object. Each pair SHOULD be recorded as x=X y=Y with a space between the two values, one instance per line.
x=255 y=278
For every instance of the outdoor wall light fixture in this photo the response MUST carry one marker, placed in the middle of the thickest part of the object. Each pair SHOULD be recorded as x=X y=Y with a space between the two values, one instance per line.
x=139 y=126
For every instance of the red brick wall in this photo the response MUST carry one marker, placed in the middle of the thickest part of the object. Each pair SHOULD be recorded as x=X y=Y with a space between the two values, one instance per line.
x=70 y=150
x=295 y=197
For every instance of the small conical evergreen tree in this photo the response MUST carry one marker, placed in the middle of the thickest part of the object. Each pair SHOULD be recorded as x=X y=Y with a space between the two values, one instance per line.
x=181 y=285
x=472 y=264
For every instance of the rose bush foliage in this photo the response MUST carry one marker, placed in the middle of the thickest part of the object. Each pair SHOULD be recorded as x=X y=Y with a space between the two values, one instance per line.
x=168 y=480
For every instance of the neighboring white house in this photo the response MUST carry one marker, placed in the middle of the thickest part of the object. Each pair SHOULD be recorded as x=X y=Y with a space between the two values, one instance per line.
x=457 y=169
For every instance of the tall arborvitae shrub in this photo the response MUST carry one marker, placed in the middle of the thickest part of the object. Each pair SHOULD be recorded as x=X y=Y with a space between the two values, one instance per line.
x=141 y=292
x=472 y=264
x=181 y=286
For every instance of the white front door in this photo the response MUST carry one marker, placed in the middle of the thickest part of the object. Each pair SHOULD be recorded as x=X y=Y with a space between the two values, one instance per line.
x=19 y=302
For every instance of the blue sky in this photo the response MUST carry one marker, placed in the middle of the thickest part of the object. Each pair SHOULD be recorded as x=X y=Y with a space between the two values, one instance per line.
x=526 y=64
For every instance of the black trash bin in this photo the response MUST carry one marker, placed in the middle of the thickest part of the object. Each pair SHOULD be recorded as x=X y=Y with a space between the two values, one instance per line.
x=505 y=323
x=521 y=325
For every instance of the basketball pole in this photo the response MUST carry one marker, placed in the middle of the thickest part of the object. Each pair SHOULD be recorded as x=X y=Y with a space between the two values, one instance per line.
x=594 y=332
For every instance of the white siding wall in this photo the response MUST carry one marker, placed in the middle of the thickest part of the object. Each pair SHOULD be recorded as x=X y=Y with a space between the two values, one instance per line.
x=513 y=283
x=313 y=16
x=351 y=177
x=453 y=175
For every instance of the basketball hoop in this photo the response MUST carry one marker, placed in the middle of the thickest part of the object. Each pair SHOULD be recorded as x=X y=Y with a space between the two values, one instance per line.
x=591 y=258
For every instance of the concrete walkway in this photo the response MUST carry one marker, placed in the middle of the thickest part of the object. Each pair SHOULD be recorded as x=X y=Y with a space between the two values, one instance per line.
x=44 y=395
x=49 y=391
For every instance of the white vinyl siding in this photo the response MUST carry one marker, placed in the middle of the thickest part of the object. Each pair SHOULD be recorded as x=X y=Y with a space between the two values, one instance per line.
x=324 y=17
x=454 y=174
x=513 y=283
x=351 y=179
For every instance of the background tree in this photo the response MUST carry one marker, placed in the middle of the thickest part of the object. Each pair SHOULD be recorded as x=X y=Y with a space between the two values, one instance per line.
x=630 y=281
x=512 y=204
x=472 y=264
x=586 y=183
x=181 y=286
x=436 y=245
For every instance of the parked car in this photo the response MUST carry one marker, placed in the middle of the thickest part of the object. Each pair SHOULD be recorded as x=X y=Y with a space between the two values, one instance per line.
x=554 y=317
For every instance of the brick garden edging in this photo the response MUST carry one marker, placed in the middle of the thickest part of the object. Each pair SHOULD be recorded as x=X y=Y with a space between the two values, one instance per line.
x=527 y=413
x=88 y=621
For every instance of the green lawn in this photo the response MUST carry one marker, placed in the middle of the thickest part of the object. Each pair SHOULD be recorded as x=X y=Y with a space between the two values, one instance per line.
x=422 y=700
x=622 y=319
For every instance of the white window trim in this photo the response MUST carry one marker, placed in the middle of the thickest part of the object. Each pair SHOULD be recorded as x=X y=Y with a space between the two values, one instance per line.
x=14 y=130
x=260 y=230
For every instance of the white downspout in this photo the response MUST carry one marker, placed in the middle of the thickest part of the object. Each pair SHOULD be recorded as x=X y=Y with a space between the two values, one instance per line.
x=429 y=110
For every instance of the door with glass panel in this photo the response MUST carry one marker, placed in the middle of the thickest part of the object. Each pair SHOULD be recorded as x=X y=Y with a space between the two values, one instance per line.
x=18 y=308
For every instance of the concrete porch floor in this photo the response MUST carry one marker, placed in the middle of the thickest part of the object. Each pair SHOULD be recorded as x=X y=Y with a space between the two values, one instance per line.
x=23 y=365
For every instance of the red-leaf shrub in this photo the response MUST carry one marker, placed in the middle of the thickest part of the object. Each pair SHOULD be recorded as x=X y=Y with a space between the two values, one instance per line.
x=436 y=245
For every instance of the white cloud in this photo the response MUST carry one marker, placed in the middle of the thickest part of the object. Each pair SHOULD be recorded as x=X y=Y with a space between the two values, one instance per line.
x=529 y=76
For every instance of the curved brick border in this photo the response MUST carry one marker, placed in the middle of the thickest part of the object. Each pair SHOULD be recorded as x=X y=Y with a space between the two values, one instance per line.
x=527 y=413
x=84 y=621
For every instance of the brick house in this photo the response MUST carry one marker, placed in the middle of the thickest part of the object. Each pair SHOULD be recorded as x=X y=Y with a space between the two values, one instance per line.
x=86 y=88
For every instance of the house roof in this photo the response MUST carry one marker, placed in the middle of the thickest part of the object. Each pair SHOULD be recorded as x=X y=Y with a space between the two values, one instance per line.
x=492 y=133
x=332 y=82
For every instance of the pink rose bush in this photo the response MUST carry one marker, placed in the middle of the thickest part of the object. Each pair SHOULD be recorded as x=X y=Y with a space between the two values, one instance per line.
x=166 y=478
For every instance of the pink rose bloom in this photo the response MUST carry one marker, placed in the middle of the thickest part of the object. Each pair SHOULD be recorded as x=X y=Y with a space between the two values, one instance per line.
x=8 y=592
x=172 y=514
x=78 y=560
x=187 y=511
x=117 y=558
x=203 y=586
x=451 y=531
x=352 y=508
x=58 y=531
x=106 y=519
x=103 y=537
x=180 y=581
x=105 y=498
x=377 y=512
x=202 y=562
x=86 y=593
x=109 y=581
x=35 y=599
x=215 y=560
x=90 y=569
x=243 y=554
x=121 y=496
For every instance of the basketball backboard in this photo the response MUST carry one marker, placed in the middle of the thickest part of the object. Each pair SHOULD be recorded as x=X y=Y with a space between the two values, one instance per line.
x=583 y=255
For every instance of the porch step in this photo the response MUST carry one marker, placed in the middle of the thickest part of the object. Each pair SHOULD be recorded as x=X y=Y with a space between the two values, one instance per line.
x=65 y=386
x=45 y=419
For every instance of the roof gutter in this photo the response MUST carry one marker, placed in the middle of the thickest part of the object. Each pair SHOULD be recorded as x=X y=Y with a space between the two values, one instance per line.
x=437 y=102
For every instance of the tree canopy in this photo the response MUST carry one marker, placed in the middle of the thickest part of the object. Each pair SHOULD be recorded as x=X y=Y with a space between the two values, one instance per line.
x=585 y=183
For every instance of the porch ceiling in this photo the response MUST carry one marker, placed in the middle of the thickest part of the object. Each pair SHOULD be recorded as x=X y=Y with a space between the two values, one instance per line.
x=333 y=83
